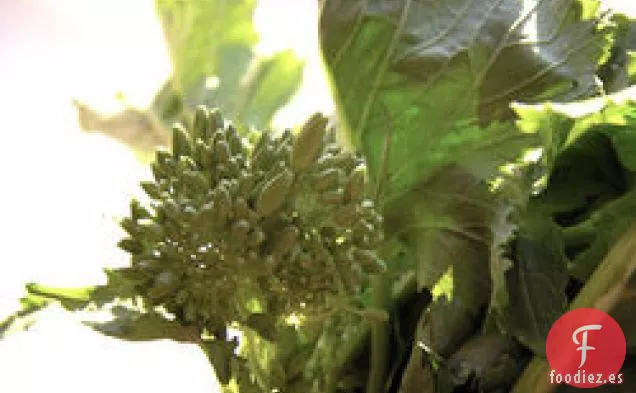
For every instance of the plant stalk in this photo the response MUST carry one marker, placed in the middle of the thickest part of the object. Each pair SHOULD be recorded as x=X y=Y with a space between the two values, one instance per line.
x=602 y=291
x=380 y=331
x=402 y=288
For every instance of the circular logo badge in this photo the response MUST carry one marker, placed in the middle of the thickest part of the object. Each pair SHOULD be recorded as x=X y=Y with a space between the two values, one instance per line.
x=586 y=348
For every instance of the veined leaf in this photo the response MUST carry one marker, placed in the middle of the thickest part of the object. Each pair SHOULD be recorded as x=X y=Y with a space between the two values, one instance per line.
x=530 y=279
x=591 y=160
x=446 y=223
x=562 y=125
x=430 y=67
x=214 y=40
x=586 y=203
x=431 y=82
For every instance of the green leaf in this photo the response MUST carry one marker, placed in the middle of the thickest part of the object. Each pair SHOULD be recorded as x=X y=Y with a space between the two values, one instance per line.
x=603 y=229
x=220 y=353
x=134 y=325
x=432 y=83
x=428 y=69
x=198 y=32
x=619 y=71
x=591 y=161
x=120 y=284
x=562 y=125
x=23 y=318
x=530 y=281
x=446 y=223
x=273 y=83
x=70 y=298
x=215 y=39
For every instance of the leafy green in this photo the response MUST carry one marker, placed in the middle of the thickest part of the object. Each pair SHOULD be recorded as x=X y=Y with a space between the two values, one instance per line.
x=118 y=285
x=585 y=204
x=562 y=125
x=603 y=229
x=589 y=185
x=425 y=89
x=203 y=35
x=445 y=222
x=430 y=69
x=214 y=40
x=20 y=320
x=266 y=89
x=133 y=325
x=531 y=281
x=431 y=84
x=619 y=71
x=70 y=298
x=220 y=354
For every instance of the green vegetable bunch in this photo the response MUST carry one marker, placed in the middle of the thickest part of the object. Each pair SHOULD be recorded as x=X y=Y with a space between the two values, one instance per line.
x=281 y=224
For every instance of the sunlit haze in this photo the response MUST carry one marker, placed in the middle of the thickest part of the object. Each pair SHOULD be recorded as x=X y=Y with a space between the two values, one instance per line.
x=63 y=189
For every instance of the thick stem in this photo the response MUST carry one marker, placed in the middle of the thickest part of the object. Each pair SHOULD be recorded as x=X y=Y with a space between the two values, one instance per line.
x=402 y=289
x=602 y=291
x=380 y=331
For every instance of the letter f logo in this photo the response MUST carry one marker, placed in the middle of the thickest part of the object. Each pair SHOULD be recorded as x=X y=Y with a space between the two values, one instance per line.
x=584 y=347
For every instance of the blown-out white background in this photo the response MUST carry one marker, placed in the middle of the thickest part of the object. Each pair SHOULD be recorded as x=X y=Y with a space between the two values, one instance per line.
x=62 y=189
